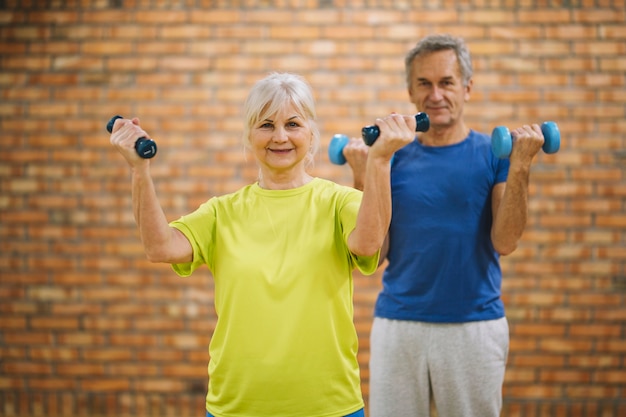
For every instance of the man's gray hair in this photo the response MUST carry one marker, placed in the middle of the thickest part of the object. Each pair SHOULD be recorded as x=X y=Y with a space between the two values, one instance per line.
x=441 y=42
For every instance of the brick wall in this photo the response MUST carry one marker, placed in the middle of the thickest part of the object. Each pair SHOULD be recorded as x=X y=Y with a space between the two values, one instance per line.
x=88 y=327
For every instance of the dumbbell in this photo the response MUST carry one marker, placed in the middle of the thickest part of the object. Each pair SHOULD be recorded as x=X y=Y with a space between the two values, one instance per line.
x=369 y=135
x=145 y=148
x=502 y=141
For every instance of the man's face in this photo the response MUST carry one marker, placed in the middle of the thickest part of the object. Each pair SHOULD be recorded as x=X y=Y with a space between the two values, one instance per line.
x=436 y=88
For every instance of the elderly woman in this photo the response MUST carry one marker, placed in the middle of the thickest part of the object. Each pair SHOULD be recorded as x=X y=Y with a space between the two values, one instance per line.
x=281 y=251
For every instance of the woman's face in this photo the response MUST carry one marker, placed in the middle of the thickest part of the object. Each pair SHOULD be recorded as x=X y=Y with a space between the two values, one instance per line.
x=282 y=140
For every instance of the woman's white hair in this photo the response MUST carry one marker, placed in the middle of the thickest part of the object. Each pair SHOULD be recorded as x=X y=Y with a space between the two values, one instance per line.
x=272 y=94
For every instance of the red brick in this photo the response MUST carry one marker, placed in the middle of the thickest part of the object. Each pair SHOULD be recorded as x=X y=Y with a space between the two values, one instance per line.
x=107 y=355
x=161 y=385
x=26 y=368
x=104 y=385
x=564 y=376
x=604 y=15
x=221 y=17
x=53 y=384
x=611 y=377
x=186 y=31
x=53 y=354
x=593 y=391
x=542 y=361
x=595 y=361
x=80 y=339
x=535 y=391
x=53 y=17
x=94 y=370
x=539 y=329
x=565 y=314
x=597 y=330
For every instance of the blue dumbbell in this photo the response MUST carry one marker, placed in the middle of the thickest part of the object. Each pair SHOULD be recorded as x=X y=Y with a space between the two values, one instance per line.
x=145 y=148
x=369 y=135
x=335 y=148
x=502 y=141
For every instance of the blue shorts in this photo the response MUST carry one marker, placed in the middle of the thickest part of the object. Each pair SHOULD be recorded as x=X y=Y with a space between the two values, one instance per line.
x=359 y=413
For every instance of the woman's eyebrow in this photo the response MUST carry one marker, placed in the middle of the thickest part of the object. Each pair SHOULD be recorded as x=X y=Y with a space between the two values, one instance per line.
x=291 y=118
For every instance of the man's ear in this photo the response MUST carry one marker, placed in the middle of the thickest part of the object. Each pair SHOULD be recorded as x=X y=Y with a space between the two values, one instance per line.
x=468 y=89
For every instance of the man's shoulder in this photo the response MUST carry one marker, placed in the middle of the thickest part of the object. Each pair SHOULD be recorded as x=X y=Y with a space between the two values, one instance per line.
x=480 y=136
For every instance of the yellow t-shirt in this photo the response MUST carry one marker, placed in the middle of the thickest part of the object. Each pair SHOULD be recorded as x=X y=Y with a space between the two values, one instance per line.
x=285 y=343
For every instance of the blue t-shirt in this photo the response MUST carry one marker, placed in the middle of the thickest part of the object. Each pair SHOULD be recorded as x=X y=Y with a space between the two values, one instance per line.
x=442 y=264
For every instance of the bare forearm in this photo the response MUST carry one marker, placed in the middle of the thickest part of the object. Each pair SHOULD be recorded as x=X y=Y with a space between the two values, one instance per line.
x=396 y=131
x=512 y=214
x=375 y=212
x=358 y=183
x=158 y=238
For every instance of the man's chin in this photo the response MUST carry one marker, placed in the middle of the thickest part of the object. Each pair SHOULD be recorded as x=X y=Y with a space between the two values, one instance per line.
x=440 y=123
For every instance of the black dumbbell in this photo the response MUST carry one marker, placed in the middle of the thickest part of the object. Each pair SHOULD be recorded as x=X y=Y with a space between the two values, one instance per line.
x=369 y=135
x=145 y=148
x=502 y=141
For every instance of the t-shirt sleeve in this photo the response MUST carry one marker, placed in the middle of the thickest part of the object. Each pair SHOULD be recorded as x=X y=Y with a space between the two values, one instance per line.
x=347 y=216
x=502 y=170
x=199 y=228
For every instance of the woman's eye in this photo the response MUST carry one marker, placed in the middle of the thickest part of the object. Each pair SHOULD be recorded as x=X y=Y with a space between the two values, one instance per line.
x=266 y=126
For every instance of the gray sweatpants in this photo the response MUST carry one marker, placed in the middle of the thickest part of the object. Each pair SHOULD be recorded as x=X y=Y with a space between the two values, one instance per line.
x=460 y=365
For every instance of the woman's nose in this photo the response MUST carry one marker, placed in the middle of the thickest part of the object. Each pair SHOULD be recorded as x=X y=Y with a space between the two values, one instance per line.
x=280 y=135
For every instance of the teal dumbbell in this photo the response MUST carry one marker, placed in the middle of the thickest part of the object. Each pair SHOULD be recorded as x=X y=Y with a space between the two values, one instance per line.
x=369 y=134
x=502 y=141
x=335 y=149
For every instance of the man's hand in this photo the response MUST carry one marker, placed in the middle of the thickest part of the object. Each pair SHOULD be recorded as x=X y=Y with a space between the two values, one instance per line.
x=527 y=141
x=355 y=153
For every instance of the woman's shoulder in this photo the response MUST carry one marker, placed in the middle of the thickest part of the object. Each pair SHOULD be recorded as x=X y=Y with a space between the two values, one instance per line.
x=326 y=184
x=337 y=193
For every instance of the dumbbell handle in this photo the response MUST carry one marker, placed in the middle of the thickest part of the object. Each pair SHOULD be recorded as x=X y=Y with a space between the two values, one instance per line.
x=502 y=140
x=145 y=148
x=371 y=133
